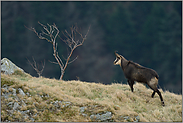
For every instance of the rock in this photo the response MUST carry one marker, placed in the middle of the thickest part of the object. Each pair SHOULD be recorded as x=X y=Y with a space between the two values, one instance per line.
x=106 y=116
x=95 y=117
x=10 y=104
x=14 y=92
x=137 y=119
x=21 y=92
x=7 y=67
x=23 y=103
x=82 y=109
x=102 y=117
x=5 y=86
x=32 y=119
x=57 y=103
x=126 y=117
x=28 y=94
x=60 y=104
x=65 y=104
x=5 y=95
x=130 y=119
x=16 y=105
x=84 y=114
x=5 y=92
x=26 y=112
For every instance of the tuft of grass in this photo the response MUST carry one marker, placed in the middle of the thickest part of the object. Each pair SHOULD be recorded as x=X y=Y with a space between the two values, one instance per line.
x=97 y=98
x=7 y=82
x=21 y=73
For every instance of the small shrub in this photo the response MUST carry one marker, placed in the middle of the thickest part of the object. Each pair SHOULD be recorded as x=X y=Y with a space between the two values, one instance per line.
x=7 y=82
x=20 y=73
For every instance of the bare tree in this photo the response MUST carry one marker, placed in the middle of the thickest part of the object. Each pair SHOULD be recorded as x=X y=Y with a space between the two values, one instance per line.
x=36 y=68
x=73 y=39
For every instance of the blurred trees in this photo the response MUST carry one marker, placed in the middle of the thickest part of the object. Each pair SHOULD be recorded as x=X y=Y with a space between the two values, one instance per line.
x=148 y=33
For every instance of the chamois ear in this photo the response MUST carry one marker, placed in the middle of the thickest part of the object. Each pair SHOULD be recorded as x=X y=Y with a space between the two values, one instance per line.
x=117 y=55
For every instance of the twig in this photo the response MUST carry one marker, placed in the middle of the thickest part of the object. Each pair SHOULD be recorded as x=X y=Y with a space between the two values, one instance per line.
x=34 y=66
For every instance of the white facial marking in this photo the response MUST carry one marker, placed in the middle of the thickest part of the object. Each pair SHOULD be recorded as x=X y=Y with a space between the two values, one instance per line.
x=117 y=62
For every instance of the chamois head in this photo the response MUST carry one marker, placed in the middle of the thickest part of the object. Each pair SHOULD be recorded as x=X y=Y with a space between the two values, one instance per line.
x=117 y=61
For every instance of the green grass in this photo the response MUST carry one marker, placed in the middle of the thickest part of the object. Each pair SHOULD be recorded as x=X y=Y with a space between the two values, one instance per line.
x=97 y=98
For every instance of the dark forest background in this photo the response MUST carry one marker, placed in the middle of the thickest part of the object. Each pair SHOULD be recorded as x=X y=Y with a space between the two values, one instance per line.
x=149 y=33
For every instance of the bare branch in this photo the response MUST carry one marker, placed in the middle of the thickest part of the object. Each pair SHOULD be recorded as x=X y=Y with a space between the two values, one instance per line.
x=30 y=63
x=57 y=32
x=34 y=66
x=43 y=66
x=34 y=63
x=87 y=31
x=73 y=60
x=72 y=39
x=44 y=33
x=64 y=58
x=60 y=60
x=53 y=62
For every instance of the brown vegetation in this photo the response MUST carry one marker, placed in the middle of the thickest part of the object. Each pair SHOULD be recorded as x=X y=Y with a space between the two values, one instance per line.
x=97 y=98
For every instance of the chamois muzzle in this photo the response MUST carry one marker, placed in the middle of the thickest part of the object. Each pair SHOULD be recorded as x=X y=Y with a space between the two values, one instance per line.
x=115 y=61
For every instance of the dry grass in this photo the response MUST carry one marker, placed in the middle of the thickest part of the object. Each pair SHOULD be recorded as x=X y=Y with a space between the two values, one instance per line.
x=116 y=98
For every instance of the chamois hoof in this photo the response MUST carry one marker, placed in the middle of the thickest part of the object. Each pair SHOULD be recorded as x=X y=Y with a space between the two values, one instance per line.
x=163 y=104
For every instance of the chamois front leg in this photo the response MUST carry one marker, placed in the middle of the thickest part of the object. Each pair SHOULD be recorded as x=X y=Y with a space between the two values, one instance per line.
x=153 y=94
x=131 y=84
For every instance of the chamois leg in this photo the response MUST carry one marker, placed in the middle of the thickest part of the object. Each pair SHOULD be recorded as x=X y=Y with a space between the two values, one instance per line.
x=159 y=93
x=153 y=85
x=161 y=98
x=131 y=84
x=153 y=94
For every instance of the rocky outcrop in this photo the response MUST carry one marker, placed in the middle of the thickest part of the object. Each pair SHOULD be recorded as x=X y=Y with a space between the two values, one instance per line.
x=16 y=100
x=20 y=103
x=23 y=104
x=8 y=67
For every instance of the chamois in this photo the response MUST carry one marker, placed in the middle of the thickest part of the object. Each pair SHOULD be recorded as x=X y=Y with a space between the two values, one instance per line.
x=135 y=72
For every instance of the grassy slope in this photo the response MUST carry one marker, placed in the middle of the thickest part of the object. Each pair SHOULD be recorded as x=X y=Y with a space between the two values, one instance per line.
x=116 y=98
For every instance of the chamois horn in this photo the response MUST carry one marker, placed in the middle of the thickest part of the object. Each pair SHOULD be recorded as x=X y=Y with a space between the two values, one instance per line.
x=116 y=54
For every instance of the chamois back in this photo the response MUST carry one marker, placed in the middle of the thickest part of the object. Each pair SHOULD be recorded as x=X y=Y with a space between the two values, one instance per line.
x=140 y=72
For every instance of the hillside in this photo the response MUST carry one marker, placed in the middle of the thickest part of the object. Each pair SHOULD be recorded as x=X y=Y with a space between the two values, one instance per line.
x=26 y=98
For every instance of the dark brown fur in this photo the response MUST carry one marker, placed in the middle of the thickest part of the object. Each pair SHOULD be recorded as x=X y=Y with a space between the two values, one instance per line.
x=135 y=72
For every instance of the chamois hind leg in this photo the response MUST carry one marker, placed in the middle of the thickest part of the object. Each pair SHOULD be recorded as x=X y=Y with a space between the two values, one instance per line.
x=153 y=85
x=131 y=84
x=161 y=98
